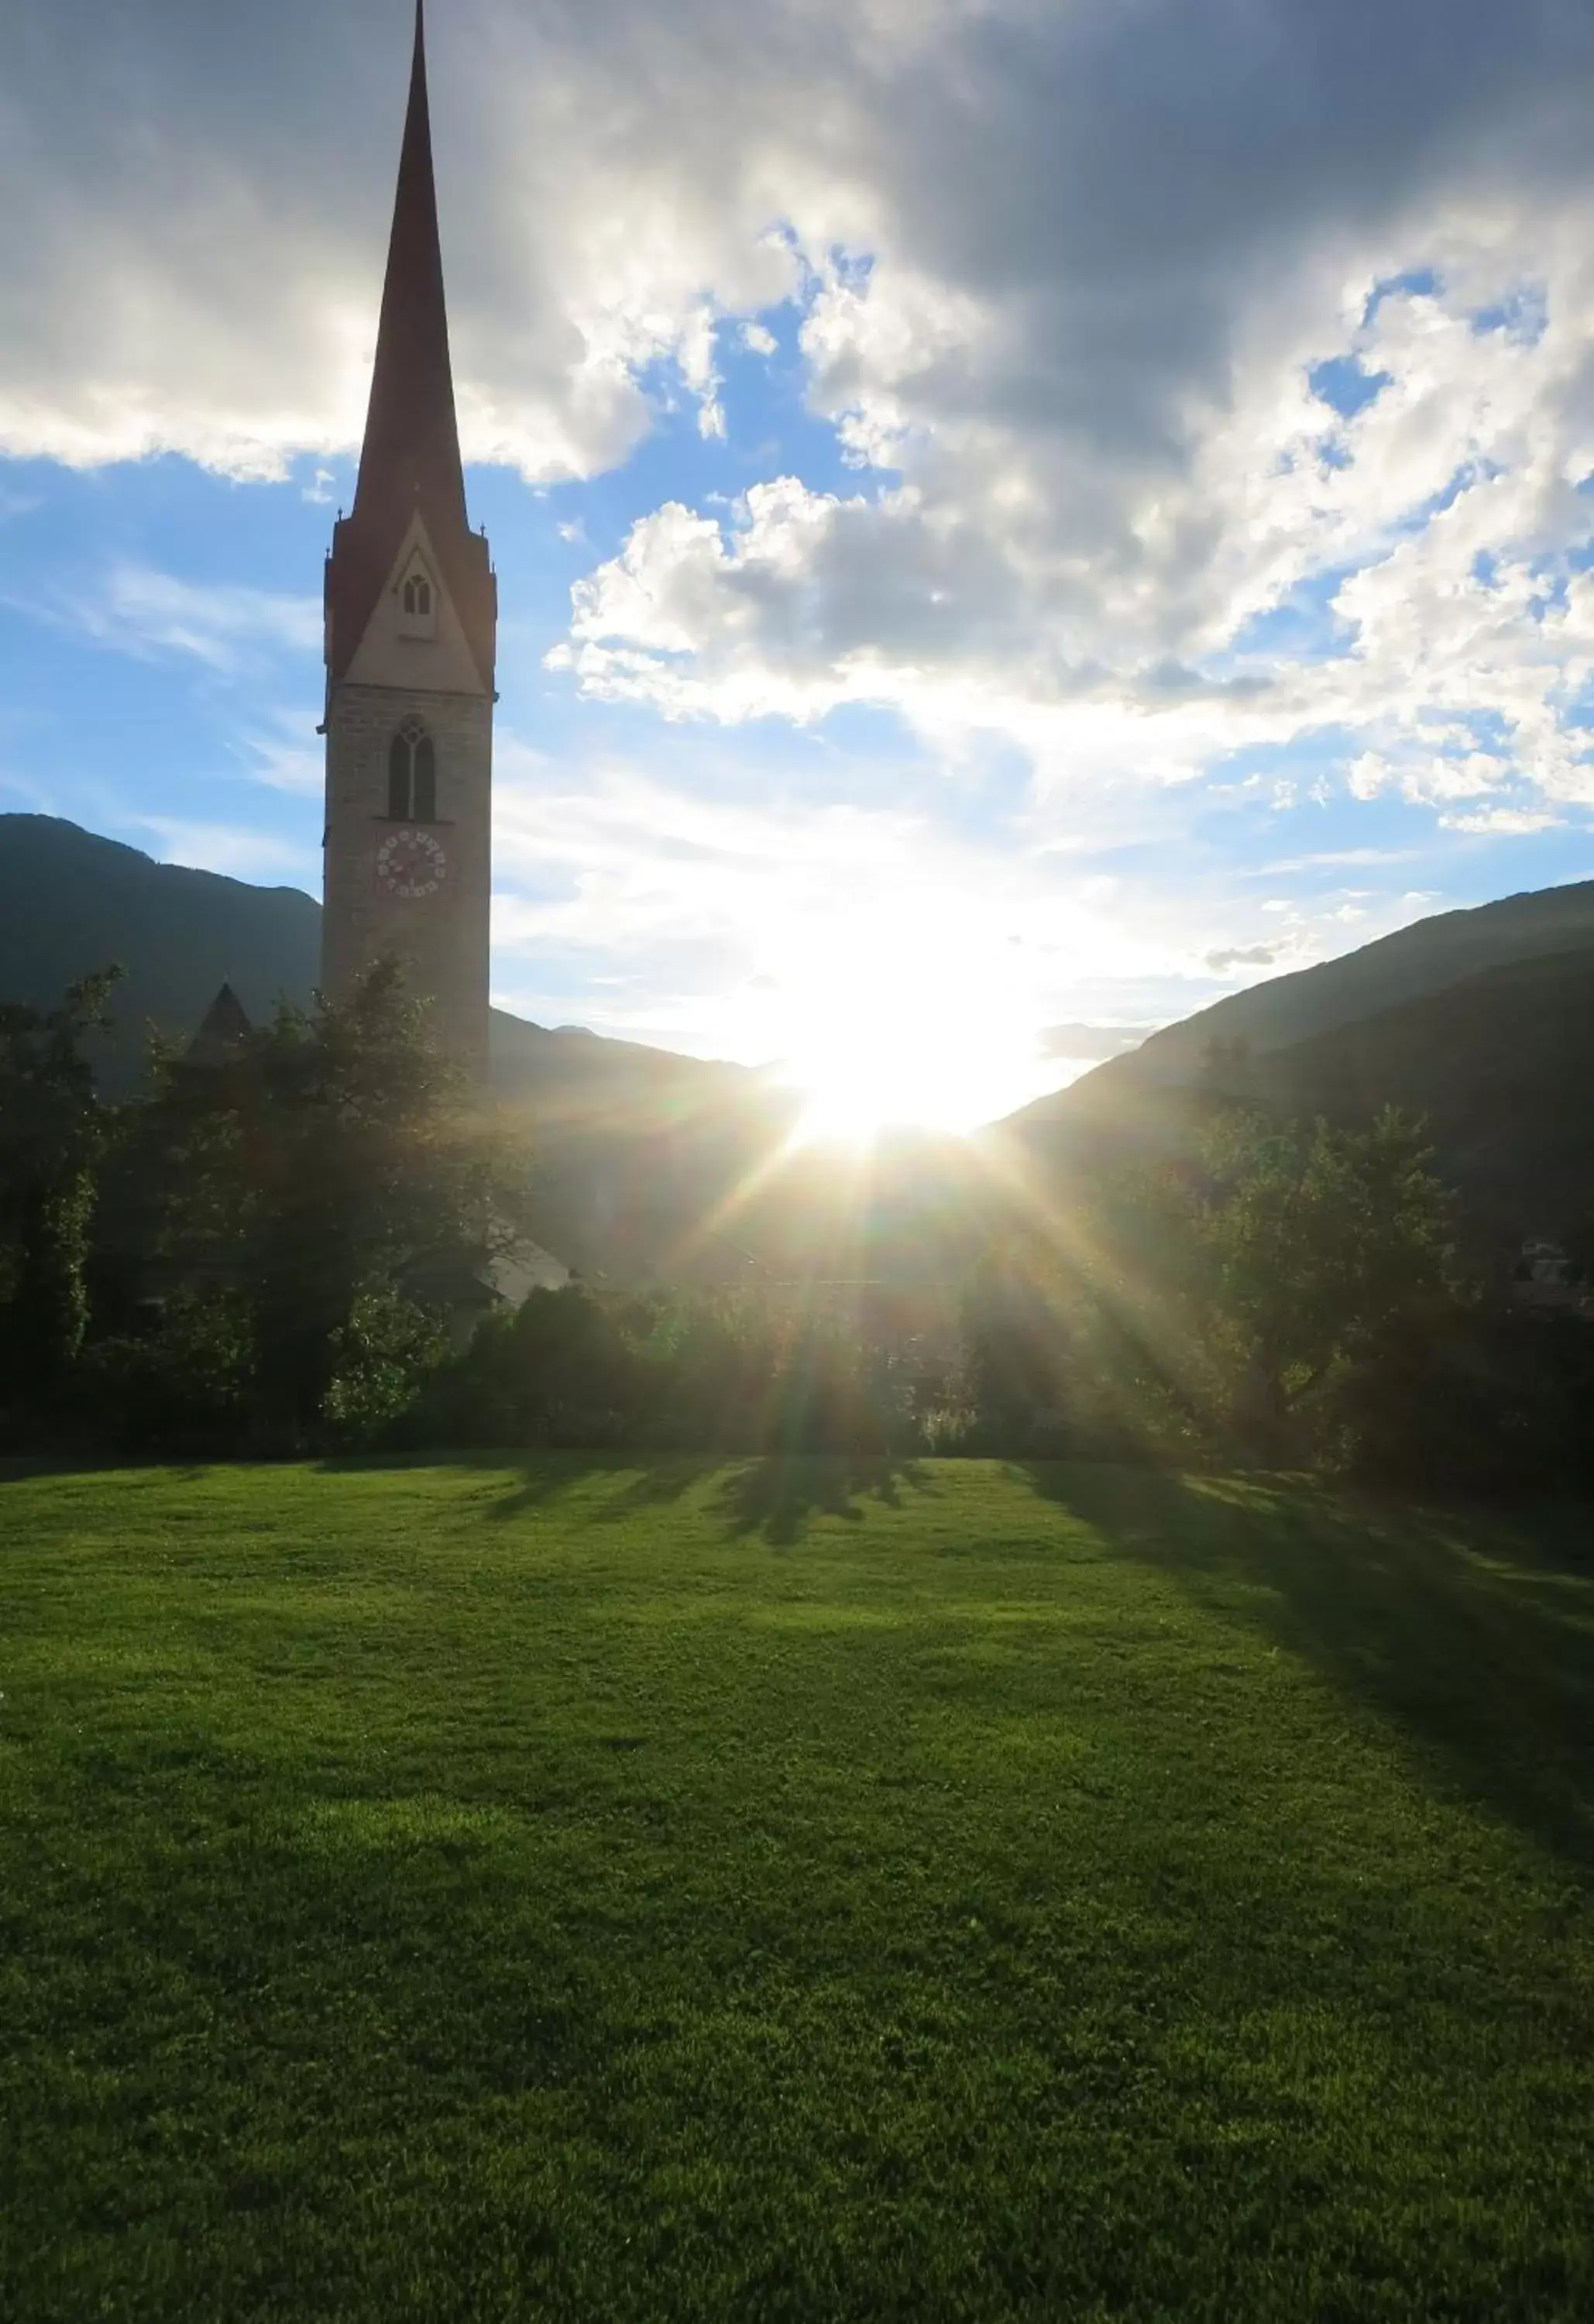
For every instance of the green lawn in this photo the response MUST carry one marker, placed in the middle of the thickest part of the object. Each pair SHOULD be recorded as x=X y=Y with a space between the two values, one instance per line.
x=602 y=1890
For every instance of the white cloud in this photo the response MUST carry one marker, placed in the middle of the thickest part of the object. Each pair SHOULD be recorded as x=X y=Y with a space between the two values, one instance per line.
x=1514 y=820
x=1062 y=275
x=1329 y=859
x=1460 y=644
x=282 y=752
x=136 y=610
x=1230 y=957
x=232 y=848
x=35 y=798
x=206 y=222
x=761 y=924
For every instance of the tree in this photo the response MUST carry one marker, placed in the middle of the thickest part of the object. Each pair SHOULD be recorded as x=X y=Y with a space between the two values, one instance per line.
x=1223 y=1303
x=54 y=1134
x=334 y=1165
x=1017 y=1340
x=1312 y=1247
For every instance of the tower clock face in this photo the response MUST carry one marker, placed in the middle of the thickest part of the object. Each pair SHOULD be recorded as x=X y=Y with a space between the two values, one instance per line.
x=411 y=864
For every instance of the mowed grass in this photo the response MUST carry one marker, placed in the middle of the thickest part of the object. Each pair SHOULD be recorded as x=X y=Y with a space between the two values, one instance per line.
x=630 y=1892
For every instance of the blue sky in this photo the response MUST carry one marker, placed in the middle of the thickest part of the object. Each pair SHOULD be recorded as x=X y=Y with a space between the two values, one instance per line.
x=1007 y=517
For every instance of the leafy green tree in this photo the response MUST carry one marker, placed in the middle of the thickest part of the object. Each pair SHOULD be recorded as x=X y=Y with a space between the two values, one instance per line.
x=1313 y=1249
x=337 y=1173
x=54 y=1134
x=189 y=1388
x=388 y=1345
x=1221 y=1303
x=1078 y=1337
x=1018 y=1343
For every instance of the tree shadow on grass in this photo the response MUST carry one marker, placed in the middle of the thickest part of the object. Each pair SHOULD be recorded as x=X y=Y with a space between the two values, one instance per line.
x=775 y=1495
x=650 y=1479
x=1472 y=1635
x=779 y=1495
x=665 y=1477
x=649 y=1482
x=28 y=1468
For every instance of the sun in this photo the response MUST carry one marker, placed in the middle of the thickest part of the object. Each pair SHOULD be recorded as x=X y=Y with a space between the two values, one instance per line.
x=866 y=1068
x=905 y=1012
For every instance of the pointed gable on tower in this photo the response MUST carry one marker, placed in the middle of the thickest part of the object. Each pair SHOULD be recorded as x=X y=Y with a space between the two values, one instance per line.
x=223 y=1030
x=410 y=496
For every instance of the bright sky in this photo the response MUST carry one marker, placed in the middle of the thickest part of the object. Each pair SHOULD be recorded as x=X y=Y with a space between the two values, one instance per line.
x=1013 y=517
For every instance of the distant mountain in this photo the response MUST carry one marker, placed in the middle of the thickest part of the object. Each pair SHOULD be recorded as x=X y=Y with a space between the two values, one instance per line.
x=652 y=1164
x=71 y=901
x=639 y=1151
x=1413 y=963
x=1501 y=1067
x=1481 y=1021
x=636 y=1149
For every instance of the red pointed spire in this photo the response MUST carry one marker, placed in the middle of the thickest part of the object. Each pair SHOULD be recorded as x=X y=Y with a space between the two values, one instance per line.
x=410 y=458
x=411 y=445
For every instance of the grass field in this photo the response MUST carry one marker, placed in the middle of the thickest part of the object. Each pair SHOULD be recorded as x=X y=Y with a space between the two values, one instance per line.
x=640 y=1892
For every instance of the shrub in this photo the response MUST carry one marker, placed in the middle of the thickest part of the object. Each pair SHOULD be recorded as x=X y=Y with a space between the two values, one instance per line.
x=188 y=1386
x=704 y=1372
x=379 y=1358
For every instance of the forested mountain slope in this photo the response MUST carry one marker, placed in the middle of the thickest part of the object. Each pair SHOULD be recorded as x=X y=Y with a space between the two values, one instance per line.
x=1407 y=966
x=1499 y=1064
x=636 y=1148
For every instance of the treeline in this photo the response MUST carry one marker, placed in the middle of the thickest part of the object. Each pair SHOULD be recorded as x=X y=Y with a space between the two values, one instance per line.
x=1291 y=1295
x=288 y=1246
x=261 y=1253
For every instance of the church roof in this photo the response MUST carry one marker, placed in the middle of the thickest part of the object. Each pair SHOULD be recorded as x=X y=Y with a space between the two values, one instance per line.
x=222 y=1028
x=410 y=458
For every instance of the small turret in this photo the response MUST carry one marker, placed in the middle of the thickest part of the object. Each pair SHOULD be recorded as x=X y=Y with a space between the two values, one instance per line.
x=223 y=1030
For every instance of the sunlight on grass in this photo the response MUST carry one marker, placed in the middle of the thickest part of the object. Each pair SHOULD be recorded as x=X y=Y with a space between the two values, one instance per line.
x=794 y=1891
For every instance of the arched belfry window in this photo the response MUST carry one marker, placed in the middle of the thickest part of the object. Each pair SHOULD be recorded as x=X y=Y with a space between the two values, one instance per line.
x=413 y=775
x=418 y=601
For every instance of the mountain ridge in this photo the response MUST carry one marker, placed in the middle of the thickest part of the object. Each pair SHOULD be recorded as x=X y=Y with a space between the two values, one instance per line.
x=1408 y=964
x=633 y=1148
x=72 y=900
x=1480 y=1019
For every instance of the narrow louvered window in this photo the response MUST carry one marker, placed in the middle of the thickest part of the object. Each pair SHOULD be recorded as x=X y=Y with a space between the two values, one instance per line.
x=413 y=775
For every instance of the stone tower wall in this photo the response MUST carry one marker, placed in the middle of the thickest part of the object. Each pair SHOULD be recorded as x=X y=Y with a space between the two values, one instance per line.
x=441 y=938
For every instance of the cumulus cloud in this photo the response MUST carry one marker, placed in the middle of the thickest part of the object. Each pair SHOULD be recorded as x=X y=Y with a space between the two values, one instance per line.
x=1233 y=956
x=207 y=200
x=1496 y=819
x=1207 y=378
x=1441 y=530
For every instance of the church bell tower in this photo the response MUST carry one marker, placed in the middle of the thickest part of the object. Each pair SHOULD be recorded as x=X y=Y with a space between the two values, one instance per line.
x=412 y=627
